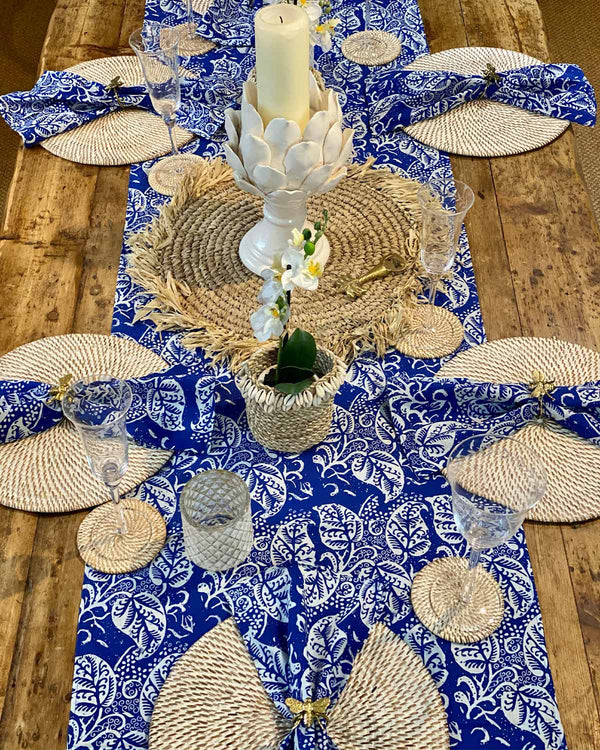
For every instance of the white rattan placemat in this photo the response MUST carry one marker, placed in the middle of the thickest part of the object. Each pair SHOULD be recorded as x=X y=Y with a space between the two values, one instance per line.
x=483 y=128
x=48 y=472
x=126 y=136
x=572 y=463
x=213 y=699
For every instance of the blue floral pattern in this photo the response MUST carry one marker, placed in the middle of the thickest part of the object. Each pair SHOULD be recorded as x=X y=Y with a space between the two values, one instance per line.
x=404 y=97
x=63 y=100
x=432 y=415
x=172 y=410
x=345 y=523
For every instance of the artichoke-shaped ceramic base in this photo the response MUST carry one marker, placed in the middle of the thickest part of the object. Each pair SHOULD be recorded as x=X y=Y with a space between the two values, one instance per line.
x=284 y=166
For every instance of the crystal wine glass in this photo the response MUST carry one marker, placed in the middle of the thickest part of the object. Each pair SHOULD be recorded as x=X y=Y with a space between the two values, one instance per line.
x=123 y=534
x=436 y=331
x=157 y=52
x=494 y=484
x=370 y=47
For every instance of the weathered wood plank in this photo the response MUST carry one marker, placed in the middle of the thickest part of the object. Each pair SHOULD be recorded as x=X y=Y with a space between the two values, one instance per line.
x=59 y=254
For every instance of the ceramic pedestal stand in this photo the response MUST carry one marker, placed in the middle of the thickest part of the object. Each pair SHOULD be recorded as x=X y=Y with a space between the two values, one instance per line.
x=284 y=166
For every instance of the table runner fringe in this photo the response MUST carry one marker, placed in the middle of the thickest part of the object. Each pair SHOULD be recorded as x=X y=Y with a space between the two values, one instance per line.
x=167 y=308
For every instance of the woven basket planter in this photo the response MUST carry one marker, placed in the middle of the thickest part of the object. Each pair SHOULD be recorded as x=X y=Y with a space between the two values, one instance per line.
x=286 y=422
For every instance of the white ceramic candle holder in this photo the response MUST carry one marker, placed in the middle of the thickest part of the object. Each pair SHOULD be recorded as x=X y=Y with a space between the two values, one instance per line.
x=285 y=166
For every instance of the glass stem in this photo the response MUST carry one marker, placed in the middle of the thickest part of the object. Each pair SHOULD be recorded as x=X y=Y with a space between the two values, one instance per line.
x=119 y=511
x=469 y=584
x=367 y=15
x=190 y=19
x=170 y=122
x=429 y=312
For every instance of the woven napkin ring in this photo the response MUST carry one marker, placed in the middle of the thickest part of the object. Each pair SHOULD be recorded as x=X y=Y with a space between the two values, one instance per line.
x=57 y=392
x=540 y=388
x=308 y=711
x=114 y=87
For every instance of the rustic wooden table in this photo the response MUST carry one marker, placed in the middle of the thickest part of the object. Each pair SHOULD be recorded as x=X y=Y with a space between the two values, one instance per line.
x=536 y=252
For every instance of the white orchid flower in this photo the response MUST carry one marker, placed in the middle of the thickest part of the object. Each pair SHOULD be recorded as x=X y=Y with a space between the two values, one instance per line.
x=271 y=290
x=324 y=32
x=307 y=275
x=269 y=321
x=291 y=260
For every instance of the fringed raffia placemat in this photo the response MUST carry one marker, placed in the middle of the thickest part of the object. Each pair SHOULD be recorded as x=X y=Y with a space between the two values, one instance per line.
x=126 y=136
x=572 y=464
x=187 y=259
x=48 y=472
x=213 y=698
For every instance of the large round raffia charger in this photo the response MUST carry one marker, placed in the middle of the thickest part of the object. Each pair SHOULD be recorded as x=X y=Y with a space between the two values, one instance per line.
x=482 y=127
x=125 y=136
x=48 y=472
x=188 y=260
x=213 y=698
x=572 y=464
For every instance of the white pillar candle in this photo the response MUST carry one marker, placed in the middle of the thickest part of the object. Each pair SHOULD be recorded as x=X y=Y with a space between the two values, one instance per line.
x=282 y=53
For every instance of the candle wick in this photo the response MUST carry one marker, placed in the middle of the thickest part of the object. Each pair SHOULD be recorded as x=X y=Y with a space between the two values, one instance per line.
x=281 y=19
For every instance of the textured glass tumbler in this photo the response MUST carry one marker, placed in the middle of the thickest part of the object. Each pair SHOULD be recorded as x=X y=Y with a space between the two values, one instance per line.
x=217 y=524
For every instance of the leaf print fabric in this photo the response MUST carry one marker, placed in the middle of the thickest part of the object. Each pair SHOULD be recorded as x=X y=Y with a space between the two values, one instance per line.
x=167 y=410
x=432 y=415
x=340 y=530
x=406 y=97
x=63 y=100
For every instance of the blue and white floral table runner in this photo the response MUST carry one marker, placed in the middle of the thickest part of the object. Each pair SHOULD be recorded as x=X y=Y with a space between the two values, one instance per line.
x=349 y=504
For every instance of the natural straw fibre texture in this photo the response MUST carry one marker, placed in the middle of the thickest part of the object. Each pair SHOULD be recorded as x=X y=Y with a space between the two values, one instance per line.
x=214 y=699
x=125 y=136
x=290 y=422
x=188 y=260
x=48 y=472
x=572 y=463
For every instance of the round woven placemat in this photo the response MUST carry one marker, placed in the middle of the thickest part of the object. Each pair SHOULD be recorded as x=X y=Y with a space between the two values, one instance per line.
x=103 y=549
x=48 y=472
x=123 y=137
x=572 y=464
x=482 y=127
x=371 y=47
x=188 y=260
x=446 y=338
x=213 y=698
x=435 y=599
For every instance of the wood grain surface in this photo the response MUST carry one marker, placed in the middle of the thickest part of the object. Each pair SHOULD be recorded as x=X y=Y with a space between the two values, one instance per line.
x=536 y=252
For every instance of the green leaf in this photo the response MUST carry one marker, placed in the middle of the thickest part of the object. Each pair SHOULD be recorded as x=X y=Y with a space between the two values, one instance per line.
x=299 y=350
x=293 y=374
x=294 y=387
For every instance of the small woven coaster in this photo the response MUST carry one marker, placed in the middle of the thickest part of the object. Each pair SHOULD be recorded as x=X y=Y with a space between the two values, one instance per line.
x=371 y=47
x=188 y=260
x=446 y=338
x=572 y=464
x=435 y=600
x=122 y=137
x=482 y=127
x=48 y=472
x=389 y=702
x=101 y=547
x=191 y=45
x=169 y=172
